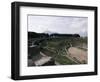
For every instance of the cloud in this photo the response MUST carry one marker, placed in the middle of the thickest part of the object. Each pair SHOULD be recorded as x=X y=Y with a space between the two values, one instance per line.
x=58 y=24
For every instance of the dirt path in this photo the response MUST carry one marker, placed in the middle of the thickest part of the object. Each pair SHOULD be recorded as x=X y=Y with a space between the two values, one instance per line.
x=79 y=54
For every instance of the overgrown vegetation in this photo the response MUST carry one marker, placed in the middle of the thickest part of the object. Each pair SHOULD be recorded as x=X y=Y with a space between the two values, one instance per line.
x=57 y=48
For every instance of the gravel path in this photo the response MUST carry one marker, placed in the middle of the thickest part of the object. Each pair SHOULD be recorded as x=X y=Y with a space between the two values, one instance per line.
x=79 y=54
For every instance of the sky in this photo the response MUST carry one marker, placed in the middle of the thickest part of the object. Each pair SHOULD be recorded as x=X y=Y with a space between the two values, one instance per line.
x=58 y=24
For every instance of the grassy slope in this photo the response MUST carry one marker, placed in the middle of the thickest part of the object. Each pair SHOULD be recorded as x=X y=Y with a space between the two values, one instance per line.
x=57 y=47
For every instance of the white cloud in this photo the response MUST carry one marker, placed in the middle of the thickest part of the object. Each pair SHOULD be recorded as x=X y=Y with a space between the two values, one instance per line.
x=58 y=24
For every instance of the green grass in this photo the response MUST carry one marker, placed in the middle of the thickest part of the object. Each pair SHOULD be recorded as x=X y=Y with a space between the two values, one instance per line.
x=63 y=60
x=56 y=48
x=58 y=57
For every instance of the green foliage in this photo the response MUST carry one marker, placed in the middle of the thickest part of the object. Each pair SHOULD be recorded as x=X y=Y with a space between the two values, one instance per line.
x=57 y=48
x=63 y=60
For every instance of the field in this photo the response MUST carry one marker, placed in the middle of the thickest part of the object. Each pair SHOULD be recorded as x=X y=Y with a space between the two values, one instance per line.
x=63 y=51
